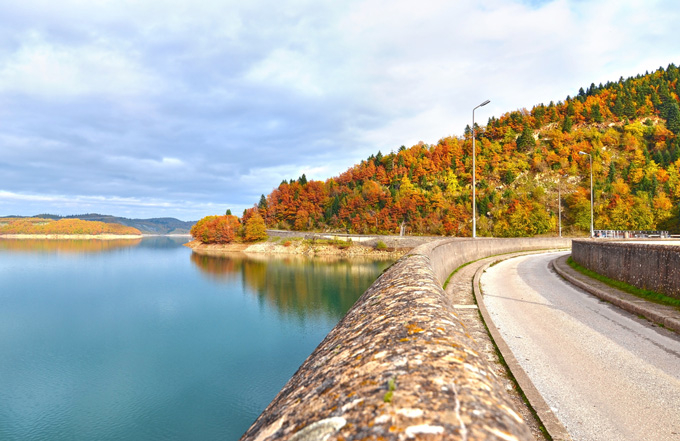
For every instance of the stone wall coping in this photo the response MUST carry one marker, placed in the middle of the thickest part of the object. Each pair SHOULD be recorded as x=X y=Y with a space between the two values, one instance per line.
x=400 y=364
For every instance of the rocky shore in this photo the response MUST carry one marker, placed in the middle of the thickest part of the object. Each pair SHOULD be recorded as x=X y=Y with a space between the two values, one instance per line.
x=298 y=247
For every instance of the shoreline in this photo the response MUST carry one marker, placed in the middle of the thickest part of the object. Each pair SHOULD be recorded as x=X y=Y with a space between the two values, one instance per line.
x=294 y=248
x=71 y=236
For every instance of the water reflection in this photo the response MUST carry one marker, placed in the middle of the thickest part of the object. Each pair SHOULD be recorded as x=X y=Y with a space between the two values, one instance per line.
x=66 y=246
x=164 y=242
x=296 y=285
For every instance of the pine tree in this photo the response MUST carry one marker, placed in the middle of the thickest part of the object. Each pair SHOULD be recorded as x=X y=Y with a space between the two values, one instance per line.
x=526 y=140
x=566 y=124
x=628 y=106
x=673 y=119
x=595 y=113
x=617 y=109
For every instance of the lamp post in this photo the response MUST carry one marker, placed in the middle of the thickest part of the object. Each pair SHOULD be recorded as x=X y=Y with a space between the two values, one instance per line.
x=559 y=201
x=592 y=231
x=559 y=205
x=474 y=172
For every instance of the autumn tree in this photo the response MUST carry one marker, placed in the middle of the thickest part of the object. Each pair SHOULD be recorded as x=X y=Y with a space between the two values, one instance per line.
x=255 y=228
x=216 y=229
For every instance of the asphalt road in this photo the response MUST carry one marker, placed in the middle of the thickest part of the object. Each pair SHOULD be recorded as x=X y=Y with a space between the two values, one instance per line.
x=606 y=374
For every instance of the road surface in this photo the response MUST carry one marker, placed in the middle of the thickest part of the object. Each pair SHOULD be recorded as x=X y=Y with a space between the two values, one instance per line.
x=606 y=374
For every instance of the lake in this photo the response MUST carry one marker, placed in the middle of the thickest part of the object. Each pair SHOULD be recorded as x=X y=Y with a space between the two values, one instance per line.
x=142 y=339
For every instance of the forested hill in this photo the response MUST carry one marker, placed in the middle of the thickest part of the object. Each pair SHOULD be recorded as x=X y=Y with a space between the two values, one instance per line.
x=630 y=127
x=164 y=225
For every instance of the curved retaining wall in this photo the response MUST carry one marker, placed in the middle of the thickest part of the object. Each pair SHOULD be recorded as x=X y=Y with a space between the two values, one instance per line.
x=400 y=364
x=647 y=266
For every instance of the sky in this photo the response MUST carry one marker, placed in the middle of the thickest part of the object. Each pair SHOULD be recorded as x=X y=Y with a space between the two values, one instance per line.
x=178 y=108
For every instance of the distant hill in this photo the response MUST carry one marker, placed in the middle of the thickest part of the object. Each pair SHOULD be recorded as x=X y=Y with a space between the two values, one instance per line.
x=37 y=225
x=531 y=165
x=161 y=225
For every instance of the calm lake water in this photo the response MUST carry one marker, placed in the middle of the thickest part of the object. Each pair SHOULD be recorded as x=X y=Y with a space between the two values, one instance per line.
x=142 y=339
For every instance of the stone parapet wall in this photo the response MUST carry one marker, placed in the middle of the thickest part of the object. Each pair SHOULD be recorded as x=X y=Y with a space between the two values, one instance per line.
x=400 y=364
x=647 y=266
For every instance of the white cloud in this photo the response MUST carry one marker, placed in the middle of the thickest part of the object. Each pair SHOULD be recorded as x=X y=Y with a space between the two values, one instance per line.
x=212 y=103
x=286 y=68
x=45 y=70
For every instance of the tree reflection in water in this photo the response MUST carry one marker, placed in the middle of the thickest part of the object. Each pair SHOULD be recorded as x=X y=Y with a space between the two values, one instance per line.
x=296 y=285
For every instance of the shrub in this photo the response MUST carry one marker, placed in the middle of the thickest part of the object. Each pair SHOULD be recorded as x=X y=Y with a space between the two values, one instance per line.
x=381 y=245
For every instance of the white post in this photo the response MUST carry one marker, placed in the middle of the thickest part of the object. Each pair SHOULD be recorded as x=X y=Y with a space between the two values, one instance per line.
x=474 y=172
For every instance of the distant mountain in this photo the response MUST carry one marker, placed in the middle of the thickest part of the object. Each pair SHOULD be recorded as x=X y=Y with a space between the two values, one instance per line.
x=161 y=225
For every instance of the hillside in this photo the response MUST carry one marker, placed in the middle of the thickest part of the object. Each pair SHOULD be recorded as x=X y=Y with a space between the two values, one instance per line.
x=163 y=225
x=630 y=127
x=35 y=225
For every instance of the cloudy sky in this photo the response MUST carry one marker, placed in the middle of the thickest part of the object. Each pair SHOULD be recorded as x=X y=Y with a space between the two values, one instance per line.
x=183 y=108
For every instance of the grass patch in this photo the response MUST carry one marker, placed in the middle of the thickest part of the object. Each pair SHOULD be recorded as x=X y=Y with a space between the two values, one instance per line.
x=391 y=387
x=448 y=279
x=334 y=242
x=381 y=245
x=646 y=294
x=338 y=243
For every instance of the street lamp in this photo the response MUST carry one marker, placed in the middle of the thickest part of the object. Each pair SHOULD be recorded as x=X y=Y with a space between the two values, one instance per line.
x=592 y=231
x=559 y=201
x=474 y=172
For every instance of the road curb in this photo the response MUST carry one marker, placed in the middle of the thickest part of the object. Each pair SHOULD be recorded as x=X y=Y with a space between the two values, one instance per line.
x=549 y=420
x=666 y=316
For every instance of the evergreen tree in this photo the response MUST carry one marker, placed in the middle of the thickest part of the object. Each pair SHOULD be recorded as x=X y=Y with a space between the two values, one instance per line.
x=262 y=205
x=617 y=109
x=526 y=140
x=581 y=95
x=566 y=124
x=595 y=113
x=628 y=106
x=612 y=172
x=673 y=119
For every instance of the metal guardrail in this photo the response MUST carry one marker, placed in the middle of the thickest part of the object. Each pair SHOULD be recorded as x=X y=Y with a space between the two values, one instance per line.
x=631 y=234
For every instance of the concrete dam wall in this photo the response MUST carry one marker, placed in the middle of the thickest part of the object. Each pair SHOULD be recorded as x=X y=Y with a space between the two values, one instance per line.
x=400 y=364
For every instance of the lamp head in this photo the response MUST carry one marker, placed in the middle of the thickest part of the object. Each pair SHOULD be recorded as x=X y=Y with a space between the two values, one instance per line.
x=485 y=103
